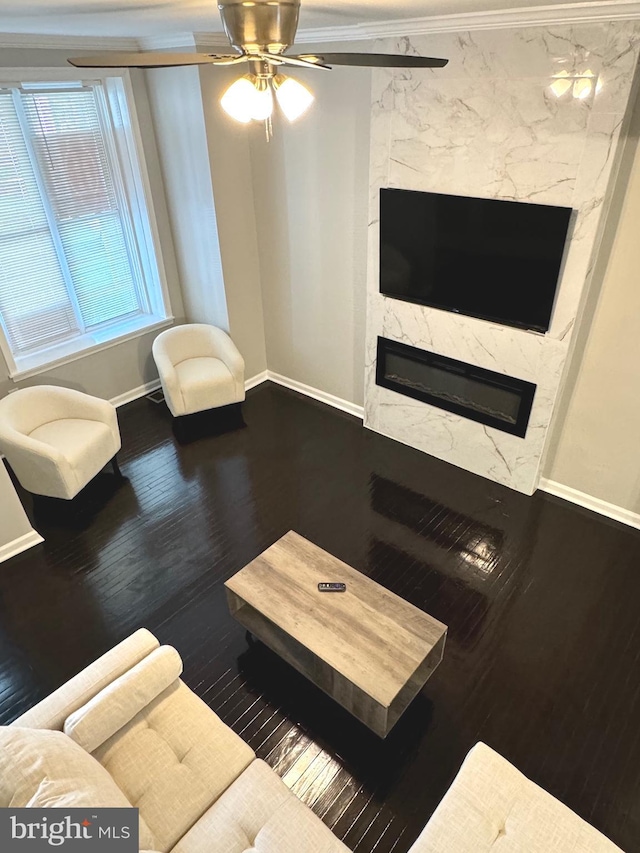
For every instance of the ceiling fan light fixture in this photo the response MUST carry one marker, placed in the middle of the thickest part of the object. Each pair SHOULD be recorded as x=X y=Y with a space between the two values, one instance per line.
x=249 y=98
x=294 y=99
x=238 y=100
x=262 y=101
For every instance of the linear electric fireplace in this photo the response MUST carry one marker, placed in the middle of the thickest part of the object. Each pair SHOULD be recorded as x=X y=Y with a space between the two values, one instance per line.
x=490 y=398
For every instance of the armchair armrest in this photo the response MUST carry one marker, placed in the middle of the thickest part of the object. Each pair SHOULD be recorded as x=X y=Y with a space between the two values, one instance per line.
x=168 y=377
x=79 y=405
x=34 y=462
x=228 y=352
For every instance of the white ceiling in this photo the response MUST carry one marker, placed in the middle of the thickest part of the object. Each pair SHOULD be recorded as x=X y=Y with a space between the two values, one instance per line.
x=147 y=18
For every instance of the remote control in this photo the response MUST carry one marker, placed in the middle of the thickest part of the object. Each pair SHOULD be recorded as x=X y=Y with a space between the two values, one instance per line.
x=332 y=587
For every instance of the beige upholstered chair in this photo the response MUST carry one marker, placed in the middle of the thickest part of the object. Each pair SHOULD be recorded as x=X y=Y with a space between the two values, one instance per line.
x=200 y=368
x=56 y=439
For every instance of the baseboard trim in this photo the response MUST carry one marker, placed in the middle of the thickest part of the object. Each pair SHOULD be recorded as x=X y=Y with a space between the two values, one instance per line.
x=252 y=382
x=135 y=393
x=617 y=513
x=317 y=394
x=17 y=546
x=258 y=379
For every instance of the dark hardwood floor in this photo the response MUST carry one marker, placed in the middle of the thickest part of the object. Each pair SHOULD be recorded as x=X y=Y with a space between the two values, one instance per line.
x=541 y=598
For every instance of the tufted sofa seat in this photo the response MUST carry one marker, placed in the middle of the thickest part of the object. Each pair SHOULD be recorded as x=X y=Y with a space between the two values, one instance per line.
x=199 y=787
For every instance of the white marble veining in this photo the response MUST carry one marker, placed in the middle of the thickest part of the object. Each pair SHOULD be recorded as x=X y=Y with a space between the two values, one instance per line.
x=489 y=125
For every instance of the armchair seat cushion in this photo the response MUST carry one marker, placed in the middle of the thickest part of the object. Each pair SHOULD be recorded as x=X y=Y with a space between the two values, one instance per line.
x=259 y=814
x=72 y=437
x=206 y=383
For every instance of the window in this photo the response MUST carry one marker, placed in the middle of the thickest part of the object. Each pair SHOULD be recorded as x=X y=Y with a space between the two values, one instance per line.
x=78 y=265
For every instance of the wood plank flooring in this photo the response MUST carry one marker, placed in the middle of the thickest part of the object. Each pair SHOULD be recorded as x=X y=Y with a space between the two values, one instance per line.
x=541 y=599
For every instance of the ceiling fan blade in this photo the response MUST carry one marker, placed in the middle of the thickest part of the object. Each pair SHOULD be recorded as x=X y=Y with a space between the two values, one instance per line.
x=301 y=62
x=152 y=60
x=220 y=59
x=377 y=60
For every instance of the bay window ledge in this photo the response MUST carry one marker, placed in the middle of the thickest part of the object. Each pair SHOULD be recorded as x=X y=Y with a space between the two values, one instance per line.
x=92 y=342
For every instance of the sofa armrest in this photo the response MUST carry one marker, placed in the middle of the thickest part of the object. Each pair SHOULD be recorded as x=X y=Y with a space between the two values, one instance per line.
x=490 y=801
x=52 y=712
x=115 y=706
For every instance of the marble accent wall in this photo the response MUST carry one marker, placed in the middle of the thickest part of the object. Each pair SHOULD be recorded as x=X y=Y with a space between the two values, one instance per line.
x=489 y=125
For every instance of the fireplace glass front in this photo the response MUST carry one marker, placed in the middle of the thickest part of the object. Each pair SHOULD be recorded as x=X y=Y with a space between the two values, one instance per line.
x=499 y=401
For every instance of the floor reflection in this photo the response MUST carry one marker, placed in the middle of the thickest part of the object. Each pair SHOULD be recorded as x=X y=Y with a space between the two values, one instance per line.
x=479 y=544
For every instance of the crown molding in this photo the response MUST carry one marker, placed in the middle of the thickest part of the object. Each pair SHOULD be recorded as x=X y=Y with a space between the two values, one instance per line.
x=167 y=42
x=192 y=41
x=56 y=42
x=216 y=41
x=532 y=16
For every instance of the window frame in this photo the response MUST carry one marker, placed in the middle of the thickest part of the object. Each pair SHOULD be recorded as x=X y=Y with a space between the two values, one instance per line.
x=126 y=149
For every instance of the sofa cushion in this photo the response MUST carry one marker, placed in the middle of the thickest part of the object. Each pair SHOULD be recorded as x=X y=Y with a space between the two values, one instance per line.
x=259 y=814
x=44 y=769
x=173 y=760
x=94 y=723
x=492 y=806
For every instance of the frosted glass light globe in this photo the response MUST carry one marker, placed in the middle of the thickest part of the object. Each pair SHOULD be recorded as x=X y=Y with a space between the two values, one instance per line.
x=239 y=99
x=294 y=98
x=262 y=106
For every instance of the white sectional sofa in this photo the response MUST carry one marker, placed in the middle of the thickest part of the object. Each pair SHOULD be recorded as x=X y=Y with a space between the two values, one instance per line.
x=128 y=731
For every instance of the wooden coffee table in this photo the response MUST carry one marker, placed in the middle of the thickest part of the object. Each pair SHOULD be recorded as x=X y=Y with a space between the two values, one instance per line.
x=367 y=648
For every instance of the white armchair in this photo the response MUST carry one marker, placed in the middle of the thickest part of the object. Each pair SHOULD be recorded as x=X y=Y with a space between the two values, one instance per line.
x=200 y=368
x=57 y=439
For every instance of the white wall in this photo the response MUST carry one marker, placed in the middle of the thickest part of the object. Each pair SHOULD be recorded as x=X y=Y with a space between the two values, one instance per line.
x=128 y=365
x=595 y=447
x=310 y=185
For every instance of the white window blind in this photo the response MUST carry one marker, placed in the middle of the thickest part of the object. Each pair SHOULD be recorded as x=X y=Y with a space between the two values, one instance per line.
x=69 y=259
x=34 y=301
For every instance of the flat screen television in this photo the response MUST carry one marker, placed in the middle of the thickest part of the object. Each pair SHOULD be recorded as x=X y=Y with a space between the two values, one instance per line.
x=493 y=259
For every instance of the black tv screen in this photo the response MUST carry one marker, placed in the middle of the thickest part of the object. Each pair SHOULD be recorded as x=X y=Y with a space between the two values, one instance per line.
x=493 y=259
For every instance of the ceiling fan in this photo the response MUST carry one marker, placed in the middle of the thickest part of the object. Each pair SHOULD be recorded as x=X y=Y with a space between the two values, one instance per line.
x=261 y=32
